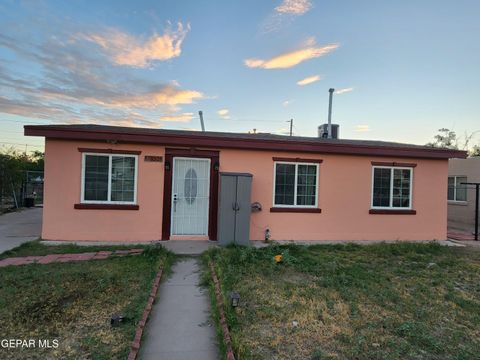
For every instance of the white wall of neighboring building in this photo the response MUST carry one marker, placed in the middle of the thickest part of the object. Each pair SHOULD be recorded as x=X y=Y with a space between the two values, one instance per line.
x=461 y=214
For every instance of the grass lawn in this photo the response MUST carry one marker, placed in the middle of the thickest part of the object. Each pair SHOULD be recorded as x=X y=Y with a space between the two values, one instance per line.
x=384 y=301
x=73 y=302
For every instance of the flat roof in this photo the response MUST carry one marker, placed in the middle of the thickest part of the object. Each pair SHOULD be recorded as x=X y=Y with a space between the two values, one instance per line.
x=258 y=141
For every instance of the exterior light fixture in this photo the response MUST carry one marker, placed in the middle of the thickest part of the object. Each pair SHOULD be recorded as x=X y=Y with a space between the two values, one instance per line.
x=234 y=298
x=116 y=320
x=216 y=166
x=167 y=165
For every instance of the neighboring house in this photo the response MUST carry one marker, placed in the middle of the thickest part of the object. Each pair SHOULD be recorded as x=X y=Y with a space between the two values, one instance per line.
x=461 y=198
x=131 y=184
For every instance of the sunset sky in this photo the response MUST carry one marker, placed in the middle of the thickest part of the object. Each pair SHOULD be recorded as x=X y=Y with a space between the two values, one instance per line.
x=402 y=69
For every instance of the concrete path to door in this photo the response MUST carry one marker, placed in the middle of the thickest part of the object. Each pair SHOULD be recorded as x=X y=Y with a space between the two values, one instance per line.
x=180 y=327
x=19 y=227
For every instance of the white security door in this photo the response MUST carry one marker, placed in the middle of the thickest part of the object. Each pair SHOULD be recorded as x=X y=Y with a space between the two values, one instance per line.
x=190 y=196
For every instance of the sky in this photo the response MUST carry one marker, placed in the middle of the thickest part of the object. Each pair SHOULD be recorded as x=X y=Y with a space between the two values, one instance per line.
x=401 y=69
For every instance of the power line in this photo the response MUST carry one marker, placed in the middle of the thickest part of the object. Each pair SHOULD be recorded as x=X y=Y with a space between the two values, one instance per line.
x=20 y=144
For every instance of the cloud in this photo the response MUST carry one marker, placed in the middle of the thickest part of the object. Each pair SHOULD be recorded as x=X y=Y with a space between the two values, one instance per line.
x=285 y=14
x=309 y=80
x=286 y=103
x=344 y=90
x=73 y=83
x=296 y=7
x=224 y=113
x=290 y=59
x=125 y=49
x=362 y=128
x=184 y=117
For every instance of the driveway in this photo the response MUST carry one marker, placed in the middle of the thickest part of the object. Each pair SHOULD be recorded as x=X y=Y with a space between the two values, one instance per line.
x=19 y=227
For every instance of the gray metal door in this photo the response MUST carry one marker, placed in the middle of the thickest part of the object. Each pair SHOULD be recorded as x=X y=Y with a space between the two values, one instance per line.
x=234 y=209
x=226 y=212
x=242 y=219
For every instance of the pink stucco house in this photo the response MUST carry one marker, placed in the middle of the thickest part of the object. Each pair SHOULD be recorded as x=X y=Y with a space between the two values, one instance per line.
x=129 y=184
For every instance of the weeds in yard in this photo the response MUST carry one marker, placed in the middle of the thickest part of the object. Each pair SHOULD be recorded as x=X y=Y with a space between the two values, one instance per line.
x=383 y=301
x=73 y=302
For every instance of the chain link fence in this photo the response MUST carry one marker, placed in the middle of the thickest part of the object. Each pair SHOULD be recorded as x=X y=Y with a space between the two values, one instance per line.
x=19 y=188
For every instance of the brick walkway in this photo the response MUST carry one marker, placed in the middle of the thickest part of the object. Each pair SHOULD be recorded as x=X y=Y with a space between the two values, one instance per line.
x=59 y=258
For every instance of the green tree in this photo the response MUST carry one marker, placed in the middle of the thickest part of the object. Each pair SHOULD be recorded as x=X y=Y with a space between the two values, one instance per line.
x=13 y=165
x=475 y=151
x=445 y=139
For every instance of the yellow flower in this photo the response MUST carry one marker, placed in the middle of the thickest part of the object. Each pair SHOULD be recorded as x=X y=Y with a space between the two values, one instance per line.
x=278 y=258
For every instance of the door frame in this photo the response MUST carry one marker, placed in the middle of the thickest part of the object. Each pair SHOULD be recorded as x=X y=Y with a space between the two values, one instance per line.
x=214 y=157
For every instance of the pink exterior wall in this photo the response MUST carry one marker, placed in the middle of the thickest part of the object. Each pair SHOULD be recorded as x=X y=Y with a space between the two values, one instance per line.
x=344 y=196
x=63 y=166
x=345 y=184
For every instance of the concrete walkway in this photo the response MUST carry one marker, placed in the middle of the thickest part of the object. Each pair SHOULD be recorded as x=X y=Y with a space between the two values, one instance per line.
x=19 y=227
x=179 y=327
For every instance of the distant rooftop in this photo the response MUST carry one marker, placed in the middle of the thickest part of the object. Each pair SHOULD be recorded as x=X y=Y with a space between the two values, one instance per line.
x=252 y=141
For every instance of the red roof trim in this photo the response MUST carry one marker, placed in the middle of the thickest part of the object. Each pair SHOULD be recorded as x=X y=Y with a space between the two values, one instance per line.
x=212 y=141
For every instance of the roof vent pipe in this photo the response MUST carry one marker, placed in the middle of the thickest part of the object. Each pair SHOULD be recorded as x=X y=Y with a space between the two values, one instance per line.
x=200 y=113
x=329 y=129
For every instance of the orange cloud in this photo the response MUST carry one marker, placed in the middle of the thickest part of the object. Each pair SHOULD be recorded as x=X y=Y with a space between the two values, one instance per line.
x=295 y=7
x=293 y=58
x=308 y=80
x=362 y=128
x=184 y=117
x=168 y=95
x=344 y=90
x=125 y=49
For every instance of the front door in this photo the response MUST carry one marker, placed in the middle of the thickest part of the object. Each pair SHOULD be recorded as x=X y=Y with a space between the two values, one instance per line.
x=190 y=196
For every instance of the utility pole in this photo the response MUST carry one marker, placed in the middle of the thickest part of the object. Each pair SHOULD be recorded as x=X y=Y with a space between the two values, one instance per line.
x=477 y=201
x=291 y=126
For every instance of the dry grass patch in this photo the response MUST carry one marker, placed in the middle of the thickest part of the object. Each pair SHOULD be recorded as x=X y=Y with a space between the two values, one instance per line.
x=73 y=302
x=386 y=301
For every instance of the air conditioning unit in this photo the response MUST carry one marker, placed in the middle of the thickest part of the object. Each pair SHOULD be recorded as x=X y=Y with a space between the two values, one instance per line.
x=323 y=131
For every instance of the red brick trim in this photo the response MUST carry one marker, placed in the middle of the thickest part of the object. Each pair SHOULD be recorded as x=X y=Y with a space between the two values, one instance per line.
x=110 y=151
x=146 y=313
x=299 y=160
x=392 y=212
x=223 y=320
x=105 y=207
x=295 y=210
x=68 y=257
x=394 y=163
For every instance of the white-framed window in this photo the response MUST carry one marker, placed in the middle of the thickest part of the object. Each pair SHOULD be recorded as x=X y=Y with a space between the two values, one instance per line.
x=391 y=187
x=109 y=178
x=457 y=191
x=295 y=184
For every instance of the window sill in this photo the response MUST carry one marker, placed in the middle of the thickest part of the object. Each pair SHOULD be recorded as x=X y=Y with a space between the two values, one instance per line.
x=454 y=202
x=295 y=210
x=392 y=212
x=105 y=207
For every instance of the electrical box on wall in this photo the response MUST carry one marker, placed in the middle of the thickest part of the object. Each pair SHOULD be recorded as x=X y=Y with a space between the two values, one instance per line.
x=234 y=208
